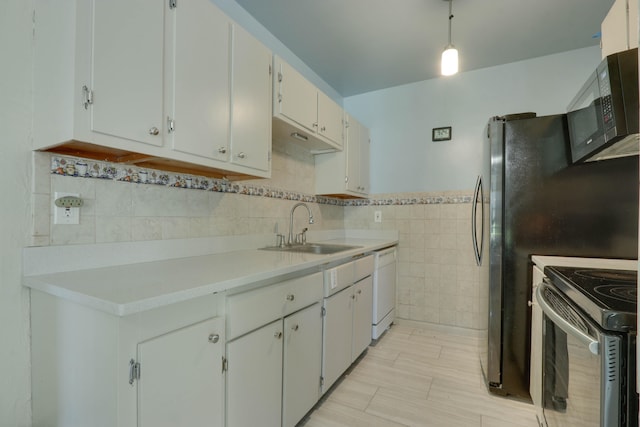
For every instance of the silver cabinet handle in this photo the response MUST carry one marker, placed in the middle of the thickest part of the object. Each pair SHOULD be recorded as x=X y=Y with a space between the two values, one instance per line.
x=241 y=155
x=291 y=297
x=278 y=335
x=295 y=327
x=222 y=150
x=214 y=338
x=154 y=131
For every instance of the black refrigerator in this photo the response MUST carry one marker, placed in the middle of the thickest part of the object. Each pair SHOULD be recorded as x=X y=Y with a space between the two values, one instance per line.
x=535 y=202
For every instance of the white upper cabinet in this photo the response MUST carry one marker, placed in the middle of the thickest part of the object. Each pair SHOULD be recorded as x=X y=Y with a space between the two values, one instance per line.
x=127 y=61
x=330 y=119
x=251 y=112
x=297 y=97
x=163 y=84
x=346 y=173
x=201 y=80
x=304 y=114
x=619 y=29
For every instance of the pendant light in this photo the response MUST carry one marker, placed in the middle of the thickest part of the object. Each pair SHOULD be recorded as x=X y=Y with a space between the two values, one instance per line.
x=449 y=64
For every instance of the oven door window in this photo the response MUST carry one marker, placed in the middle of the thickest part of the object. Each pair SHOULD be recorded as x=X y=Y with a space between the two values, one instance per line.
x=571 y=380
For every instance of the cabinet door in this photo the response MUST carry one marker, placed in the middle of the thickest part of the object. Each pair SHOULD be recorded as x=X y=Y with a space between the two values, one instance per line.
x=297 y=97
x=364 y=159
x=352 y=149
x=181 y=380
x=337 y=336
x=330 y=119
x=201 y=78
x=127 y=69
x=254 y=378
x=302 y=363
x=362 y=315
x=535 y=383
x=251 y=94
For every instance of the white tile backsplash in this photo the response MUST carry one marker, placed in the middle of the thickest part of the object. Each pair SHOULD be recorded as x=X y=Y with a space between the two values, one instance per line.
x=437 y=278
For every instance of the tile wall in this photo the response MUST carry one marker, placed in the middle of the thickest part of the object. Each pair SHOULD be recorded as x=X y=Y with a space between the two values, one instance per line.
x=437 y=278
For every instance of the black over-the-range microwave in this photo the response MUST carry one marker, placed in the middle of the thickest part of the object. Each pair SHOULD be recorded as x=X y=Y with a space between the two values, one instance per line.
x=603 y=116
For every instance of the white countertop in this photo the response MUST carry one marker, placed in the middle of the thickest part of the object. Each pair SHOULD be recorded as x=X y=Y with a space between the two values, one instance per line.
x=615 y=264
x=165 y=278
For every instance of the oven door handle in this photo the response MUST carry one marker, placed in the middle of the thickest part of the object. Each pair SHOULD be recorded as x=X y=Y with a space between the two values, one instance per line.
x=592 y=344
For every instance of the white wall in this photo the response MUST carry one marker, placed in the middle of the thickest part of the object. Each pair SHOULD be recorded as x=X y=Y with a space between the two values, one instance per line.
x=403 y=157
x=15 y=121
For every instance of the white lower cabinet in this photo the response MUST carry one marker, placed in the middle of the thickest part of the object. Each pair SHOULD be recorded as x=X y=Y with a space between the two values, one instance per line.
x=362 y=315
x=274 y=353
x=302 y=363
x=338 y=335
x=535 y=383
x=161 y=367
x=347 y=317
x=182 y=377
x=254 y=378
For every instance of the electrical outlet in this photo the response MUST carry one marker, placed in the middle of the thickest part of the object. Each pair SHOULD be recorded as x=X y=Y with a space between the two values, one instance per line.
x=377 y=216
x=65 y=215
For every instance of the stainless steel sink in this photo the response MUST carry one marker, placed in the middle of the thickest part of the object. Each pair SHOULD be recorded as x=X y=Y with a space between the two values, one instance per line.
x=312 y=248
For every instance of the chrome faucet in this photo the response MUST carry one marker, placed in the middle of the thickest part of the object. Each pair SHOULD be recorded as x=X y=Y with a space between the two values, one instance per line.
x=290 y=240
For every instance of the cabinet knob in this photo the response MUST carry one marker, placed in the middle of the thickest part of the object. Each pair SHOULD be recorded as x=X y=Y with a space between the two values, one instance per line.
x=222 y=150
x=359 y=291
x=315 y=125
x=323 y=128
x=291 y=297
x=295 y=327
x=154 y=131
x=241 y=155
x=353 y=296
x=214 y=338
x=278 y=335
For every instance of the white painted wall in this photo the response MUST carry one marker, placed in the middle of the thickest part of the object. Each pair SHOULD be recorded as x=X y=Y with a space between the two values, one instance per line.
x=16 y=107
x=403 y=157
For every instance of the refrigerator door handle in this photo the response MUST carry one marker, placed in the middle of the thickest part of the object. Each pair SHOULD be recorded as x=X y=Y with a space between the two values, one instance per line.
x=477 y=249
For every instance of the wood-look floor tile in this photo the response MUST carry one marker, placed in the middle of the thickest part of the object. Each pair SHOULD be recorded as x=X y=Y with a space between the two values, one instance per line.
x=353 y=393
x=331 y=414
x=419 y=375
x=398 y=407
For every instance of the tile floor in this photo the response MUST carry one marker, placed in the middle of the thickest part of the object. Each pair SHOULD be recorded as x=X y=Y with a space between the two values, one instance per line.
x=419 y=375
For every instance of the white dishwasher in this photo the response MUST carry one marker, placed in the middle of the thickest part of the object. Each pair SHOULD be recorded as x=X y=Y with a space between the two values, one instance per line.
x=384 y=291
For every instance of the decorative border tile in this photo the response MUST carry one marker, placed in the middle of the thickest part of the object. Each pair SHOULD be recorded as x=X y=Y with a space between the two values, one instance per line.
x=83 y=168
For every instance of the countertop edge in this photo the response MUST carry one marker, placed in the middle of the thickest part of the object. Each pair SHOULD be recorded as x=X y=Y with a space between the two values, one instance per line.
x=51 y=283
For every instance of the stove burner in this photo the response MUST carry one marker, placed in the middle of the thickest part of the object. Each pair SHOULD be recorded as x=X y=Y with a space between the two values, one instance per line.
x=612 y=275
x=621 y=293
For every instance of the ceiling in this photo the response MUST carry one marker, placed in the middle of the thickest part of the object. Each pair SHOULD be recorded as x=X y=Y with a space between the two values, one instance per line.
x=357 y=46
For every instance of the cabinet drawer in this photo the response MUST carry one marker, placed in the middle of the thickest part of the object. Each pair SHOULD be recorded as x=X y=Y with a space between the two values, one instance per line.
x=363 y=267
x=338 y=278
x=252 y=309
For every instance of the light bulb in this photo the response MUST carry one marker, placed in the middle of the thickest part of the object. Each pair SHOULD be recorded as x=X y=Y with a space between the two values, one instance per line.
x=449 y=65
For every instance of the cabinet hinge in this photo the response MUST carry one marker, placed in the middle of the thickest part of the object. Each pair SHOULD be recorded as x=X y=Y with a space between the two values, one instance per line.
x=270 y=71
x=321 y=381
x=170 y=125
x=225 y=364
x=323 y=312
x=279 y=76
x=88 y=96
x=134 y=371
x=173 y=4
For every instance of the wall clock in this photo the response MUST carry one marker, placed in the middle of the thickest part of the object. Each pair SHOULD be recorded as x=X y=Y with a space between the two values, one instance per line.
x=441 y=134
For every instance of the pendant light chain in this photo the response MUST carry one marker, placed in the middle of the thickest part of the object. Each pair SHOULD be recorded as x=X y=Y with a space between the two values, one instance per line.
x=450 y=18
